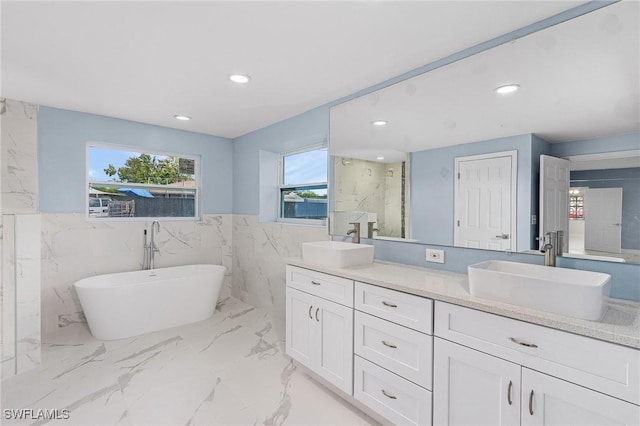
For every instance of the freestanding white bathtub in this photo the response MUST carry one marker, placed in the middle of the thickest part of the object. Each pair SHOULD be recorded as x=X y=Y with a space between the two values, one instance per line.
x=132 y=303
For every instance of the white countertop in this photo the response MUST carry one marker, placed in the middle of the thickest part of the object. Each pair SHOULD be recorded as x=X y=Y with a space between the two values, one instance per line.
x=620 y=324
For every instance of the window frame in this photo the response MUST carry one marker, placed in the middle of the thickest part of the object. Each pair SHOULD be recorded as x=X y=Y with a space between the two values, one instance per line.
x=197 y=171
x=282 y=186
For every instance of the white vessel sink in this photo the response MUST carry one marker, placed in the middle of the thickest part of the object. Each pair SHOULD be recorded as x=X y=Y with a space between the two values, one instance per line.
x=337 y=254
x=569 y=292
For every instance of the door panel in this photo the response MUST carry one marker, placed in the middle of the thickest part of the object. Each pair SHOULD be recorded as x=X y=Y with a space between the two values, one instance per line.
x=603 y=219
x=485 y=206
x=555 y=402
x=300 y=326
x=554 y=197
x=473 y=388
x=335 y=329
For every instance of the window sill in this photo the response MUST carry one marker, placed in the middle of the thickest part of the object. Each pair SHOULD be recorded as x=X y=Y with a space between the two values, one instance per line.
x=142 y=219
x=287 y=223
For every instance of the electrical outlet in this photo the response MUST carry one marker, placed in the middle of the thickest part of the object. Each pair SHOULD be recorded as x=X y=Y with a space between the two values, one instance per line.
x=436 y=256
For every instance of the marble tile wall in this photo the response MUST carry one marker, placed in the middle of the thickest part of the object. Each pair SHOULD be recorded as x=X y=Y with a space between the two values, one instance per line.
x=359 y=185
x=371 y=187
x=74 y=248
x=20 y=288
x=393 y=200
x=259 y=253
x=27 y=279
x=8 y=292
x=19 y=156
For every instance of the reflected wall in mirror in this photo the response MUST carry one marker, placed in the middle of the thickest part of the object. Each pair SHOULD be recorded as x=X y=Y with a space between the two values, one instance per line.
x=372 y=193
x=433 y=180
x=579 y=93
x=604 y=206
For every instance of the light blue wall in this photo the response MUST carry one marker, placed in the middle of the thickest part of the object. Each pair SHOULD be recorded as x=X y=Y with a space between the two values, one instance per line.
x=432 y=183
x=62 y=137
x=598 y=145
x=308 y=129
x=627 y=179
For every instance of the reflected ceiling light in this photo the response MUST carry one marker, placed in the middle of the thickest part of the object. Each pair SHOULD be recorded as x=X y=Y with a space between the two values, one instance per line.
x=182 y=117
x=379 y=123
x=380 y=157
x=508 y=88
x=239 y=78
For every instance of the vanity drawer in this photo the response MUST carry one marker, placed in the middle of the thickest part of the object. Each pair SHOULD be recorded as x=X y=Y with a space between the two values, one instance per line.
x=405 y=309
x=391 y=396
x=399 y=349
x=330 y=287
x=598 y=365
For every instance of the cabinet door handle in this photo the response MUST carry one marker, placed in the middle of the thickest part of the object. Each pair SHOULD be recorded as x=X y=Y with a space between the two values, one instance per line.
x=509 y=400
x=389 y=395
x=391 y=305
x=521 y=343
x=317 y=319
x=531 y=402
x=315 y=282
x=389 y=345
x=310 y=308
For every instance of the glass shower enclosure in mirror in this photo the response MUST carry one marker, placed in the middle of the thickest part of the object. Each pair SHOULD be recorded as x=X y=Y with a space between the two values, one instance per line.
x=579 y=93
x=373 y=193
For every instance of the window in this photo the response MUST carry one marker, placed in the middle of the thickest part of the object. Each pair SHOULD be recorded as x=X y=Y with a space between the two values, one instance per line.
x=576 y=206
x=128 y=183
x=303 y=186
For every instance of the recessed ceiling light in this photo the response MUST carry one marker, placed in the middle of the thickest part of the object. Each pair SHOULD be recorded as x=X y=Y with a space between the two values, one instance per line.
x=182 y=117
x=379 y=123
x=239 y=78
x=380 y=157
x=507 y=88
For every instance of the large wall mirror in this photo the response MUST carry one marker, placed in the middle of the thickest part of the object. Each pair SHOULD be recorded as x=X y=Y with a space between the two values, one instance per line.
x=470 y=156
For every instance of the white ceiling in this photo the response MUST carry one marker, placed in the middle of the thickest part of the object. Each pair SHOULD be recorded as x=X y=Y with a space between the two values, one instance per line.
x=579 y=80
x=146 y=61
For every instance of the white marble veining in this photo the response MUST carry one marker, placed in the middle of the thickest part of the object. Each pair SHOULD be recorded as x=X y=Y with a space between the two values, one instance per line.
x=20 y=237
x=8 y=343
x=229 y=369
x=620 y=324
x=19 y=156
x=74 y=248
x=27 y=279
x=21 y=293
x=371 y=187
x=259 y=250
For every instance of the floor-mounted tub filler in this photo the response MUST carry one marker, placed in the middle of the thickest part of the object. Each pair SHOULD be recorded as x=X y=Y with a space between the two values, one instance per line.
x=128 y=304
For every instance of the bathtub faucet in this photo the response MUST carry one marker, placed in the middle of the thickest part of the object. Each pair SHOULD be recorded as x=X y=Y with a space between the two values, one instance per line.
x=150 y=250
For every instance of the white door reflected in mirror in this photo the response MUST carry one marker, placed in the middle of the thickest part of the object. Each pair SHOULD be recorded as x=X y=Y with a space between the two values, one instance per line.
x=485 y=201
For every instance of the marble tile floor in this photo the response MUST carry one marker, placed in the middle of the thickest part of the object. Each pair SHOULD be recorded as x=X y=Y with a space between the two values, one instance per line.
x=228 y=370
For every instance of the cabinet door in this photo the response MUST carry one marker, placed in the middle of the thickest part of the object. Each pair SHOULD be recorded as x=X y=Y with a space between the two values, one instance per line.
x=473 y=388
x=300 y=327
x=335 y=339
x=547 y=400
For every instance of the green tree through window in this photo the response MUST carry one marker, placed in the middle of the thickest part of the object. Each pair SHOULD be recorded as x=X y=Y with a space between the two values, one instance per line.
x=148 y=169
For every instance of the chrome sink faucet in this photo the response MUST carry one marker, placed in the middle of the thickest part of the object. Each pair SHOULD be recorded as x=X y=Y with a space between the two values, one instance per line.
x=150 y=249
x=549 y=248
x=371 y=229
x=355 y=232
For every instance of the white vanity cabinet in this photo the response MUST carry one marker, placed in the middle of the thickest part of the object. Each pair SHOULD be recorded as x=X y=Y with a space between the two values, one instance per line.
x=473 y=388
x=412 y=361
x=393 y=346
x=492 y=379
x=319 y=331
